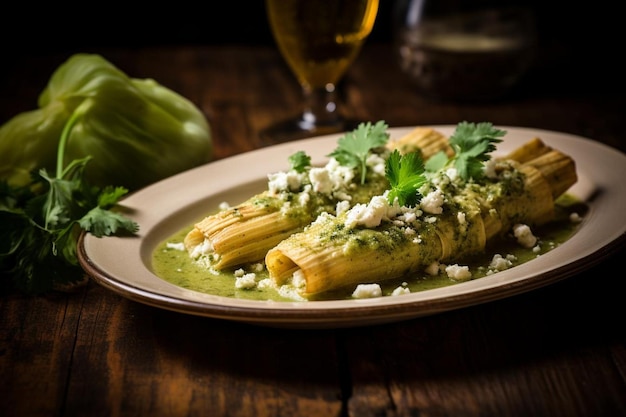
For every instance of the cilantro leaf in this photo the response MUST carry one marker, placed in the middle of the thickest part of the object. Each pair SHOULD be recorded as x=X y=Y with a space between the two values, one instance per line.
x=101 y=222
x=41 y=223
x=436 y=162
x=406 y=175
x=354 y=147
x=472 y=143
x=299 y=161
x=109 y=196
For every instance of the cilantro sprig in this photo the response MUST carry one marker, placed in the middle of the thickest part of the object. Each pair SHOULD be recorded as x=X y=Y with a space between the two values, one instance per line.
x=299 y=161
x=406 y=175
x=472 y=144
x=354 y=147
x=41 y=222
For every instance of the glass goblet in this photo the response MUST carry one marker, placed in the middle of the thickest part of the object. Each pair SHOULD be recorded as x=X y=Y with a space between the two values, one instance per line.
x=319 y=40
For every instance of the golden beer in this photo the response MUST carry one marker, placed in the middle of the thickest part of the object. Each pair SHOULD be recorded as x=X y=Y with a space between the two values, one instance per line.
x=319 y=39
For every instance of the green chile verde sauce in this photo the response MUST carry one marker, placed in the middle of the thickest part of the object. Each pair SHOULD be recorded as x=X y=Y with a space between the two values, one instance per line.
x=174 y=265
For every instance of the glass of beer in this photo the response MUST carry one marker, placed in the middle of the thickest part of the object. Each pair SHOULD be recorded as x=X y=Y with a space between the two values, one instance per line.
x=319 y=40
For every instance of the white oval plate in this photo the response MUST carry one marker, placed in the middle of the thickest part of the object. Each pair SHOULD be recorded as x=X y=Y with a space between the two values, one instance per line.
x=123 y=264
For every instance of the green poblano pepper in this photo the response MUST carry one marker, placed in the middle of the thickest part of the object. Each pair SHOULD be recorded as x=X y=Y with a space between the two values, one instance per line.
x=136 y=130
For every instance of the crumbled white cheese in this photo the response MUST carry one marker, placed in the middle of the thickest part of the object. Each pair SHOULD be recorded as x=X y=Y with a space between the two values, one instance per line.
x=524 y=235
x=409 y=216
x=284 y=181
x=332 y=179
x=490 y=169
x=409 y=232
x=322 y=218
x=206 y=262
x=342 y=207
x=304 y=198
x=203 y=248
x=367 y=291
x=498 y=168
x=432 y=202
x=176 y=246
x=298 y=280
x=320 y=180
x=401 y=290
x=266 y=283
x=452 y=173
x=500 y=263
x=341 y=176
x=376 y=163
x=288 y=291
x=458 y=272
x=369 y=215
x=258 y=267
x=246 y=281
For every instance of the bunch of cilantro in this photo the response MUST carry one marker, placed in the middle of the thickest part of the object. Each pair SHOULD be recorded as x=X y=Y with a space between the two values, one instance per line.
x=472 y=144
x=40 y=224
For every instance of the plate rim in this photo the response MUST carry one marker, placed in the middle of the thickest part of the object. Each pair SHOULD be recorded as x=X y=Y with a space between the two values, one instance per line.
x=336 y=313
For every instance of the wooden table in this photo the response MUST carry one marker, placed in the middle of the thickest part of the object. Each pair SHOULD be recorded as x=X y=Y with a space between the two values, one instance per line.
x=555 y=351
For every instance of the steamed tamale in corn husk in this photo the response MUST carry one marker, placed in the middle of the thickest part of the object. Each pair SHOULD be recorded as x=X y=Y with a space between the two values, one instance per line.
x=342 y=250
x=244 y=233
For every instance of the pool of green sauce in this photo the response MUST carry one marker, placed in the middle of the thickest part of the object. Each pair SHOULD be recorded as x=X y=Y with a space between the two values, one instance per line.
x=175 y=266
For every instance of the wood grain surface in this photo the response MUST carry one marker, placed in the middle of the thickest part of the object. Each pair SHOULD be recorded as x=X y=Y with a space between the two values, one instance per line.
x=556 y=351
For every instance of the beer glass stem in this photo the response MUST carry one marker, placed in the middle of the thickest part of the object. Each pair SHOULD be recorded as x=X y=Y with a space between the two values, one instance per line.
x=320 y=108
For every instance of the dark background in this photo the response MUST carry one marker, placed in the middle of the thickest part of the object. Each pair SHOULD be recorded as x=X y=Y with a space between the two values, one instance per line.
x=29 y=29
x=577 y=43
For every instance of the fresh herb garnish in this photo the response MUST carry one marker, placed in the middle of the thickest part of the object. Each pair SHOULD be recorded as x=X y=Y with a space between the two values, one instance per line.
x=472 y=144
x=406 y=175
x=354 y=147
x=299 y=161
x=41 y=223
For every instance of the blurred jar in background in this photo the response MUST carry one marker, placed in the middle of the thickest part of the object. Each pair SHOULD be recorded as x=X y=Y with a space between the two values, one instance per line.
x=464 y=50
